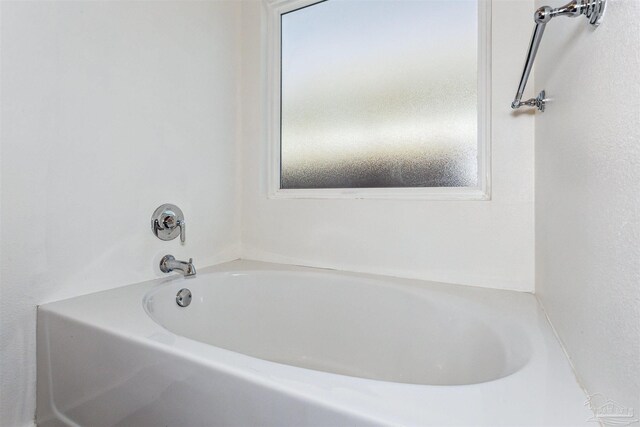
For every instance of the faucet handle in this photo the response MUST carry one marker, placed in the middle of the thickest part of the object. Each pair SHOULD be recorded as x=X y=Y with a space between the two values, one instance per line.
x=183 y=230
x=167 y=222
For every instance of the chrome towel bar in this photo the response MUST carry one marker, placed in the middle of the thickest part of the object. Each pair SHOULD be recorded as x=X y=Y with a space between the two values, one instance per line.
x=593 y=10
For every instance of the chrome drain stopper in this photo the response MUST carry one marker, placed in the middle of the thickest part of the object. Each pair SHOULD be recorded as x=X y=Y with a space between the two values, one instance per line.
x=183 y=297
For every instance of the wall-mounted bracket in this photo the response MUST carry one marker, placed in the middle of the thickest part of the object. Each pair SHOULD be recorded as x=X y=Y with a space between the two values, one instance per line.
x=539 y=102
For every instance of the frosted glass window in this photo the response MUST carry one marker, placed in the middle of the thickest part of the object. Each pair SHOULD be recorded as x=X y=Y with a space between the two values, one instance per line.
x=379 y=93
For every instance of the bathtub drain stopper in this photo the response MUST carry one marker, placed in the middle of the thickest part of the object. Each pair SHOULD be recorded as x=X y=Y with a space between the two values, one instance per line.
x=183 y=297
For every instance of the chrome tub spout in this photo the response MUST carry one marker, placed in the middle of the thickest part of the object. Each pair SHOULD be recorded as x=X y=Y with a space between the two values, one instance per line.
x=169 y=264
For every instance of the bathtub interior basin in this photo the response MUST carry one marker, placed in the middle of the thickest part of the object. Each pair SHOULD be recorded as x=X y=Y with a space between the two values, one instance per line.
x=359 y=327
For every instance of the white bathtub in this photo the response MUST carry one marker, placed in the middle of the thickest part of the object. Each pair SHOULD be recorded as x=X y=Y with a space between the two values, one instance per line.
x=263 y=344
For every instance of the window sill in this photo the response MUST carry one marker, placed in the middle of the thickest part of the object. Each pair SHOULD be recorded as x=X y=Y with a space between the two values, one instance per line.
x=431 y=193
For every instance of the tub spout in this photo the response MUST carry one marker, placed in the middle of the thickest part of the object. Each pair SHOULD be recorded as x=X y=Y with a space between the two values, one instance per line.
x=168 y=263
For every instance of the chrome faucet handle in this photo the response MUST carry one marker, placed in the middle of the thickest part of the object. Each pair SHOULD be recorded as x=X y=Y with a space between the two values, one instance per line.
x=167 y=222
x=183 y=231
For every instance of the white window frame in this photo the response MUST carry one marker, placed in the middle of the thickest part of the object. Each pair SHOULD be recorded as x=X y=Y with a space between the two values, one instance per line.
x=275 y=8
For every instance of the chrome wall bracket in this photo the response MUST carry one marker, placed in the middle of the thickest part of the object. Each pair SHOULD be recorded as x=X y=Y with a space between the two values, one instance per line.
x=167 y=223
x=593 y=10
x=539 y=102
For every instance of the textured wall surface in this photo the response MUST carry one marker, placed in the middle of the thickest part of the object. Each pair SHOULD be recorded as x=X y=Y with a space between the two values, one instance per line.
x=484 y=243
x=109 y=109
x=588 y=196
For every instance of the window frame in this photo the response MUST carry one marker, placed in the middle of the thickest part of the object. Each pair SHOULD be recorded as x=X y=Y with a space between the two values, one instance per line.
x=275 y=9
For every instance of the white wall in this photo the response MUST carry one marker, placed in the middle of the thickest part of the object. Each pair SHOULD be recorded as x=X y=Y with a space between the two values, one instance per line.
x=477 y=243
x=588 y=196
x=108 y=110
